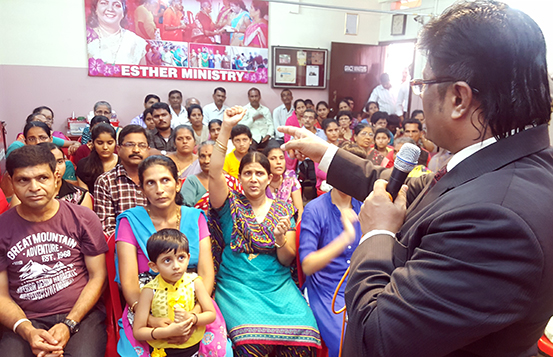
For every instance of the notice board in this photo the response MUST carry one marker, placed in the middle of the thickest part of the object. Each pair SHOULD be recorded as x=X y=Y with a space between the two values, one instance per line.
x=298 y=67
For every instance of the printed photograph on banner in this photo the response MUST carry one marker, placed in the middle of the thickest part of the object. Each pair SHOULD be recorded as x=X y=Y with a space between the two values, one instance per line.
x=166 y=53
x=141 y=34
x=208 y=56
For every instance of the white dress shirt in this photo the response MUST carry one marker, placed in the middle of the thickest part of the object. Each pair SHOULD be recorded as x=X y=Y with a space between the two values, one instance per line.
x=260 y=127
x=212 y=112
x=280 y=115
x=385 y=98
x=180 y=119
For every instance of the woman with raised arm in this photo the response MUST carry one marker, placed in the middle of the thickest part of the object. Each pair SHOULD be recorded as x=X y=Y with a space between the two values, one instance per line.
x=264 y=310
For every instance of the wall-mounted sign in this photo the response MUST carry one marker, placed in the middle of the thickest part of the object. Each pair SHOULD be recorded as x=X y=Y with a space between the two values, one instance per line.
x=187 y=39
x=355 y=69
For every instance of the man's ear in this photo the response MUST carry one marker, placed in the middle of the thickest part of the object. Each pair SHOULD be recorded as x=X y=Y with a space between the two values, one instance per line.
x=461 y=100
x=153 y=266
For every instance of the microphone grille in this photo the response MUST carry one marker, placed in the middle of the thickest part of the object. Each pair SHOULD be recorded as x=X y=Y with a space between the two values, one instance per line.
x=407 y=157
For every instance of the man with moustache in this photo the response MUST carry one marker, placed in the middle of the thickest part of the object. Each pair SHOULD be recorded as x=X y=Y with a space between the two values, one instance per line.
x=162 y=133
x=119 y=189
x=216 y=109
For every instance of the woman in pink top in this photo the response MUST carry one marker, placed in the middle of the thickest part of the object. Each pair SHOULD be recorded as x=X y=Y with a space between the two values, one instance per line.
x=293 y=120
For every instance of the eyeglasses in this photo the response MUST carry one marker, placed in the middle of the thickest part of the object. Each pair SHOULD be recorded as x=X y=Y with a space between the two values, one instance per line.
x=366 y=133
x=40 y=139
x=131 y=145
x=419 y=85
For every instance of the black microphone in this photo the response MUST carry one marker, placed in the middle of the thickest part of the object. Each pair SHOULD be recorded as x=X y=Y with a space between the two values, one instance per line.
x=406 y=160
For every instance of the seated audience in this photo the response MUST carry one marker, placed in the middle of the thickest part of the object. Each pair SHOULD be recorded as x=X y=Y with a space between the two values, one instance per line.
x=149 y=118
x=419 y=169
x=294 y=119
x=100 y=108
x=101 y=159
x=379 y=120
x=84 y=150
x=134 y=227
x=413 y=130
x=194 y=190
x=332 y=131
x=163 y=131
x=329 y=234
x=241 y=137
x=190 y=101
x=215 y=110
x=196 y=118
x=258 y=118
x=309 y=104
x=71 y=146
x=49 y=292
x=254 y=248
x=308 y=121
x=322 y=113
x=169 y=256
x=214 y=127
x=381 y=151
x=369 y=110
x=363 y=135
x=344 y=121
x=118 y=190
x=426 y=144
x=48 y=114
x=37 y=132
x=184 y=157
x=284 y=184
x=149 y=100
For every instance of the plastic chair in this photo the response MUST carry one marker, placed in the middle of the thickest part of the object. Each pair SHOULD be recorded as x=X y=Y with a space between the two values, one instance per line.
x=112 y=300
x=545 y=346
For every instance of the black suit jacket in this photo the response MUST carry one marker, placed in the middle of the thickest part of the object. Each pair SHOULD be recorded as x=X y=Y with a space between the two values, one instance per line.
x=471 y=270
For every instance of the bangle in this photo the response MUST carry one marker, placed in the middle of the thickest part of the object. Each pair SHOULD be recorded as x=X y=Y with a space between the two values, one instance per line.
x=19 y=322
x=152 y=333
x=133 y=306
x=221 y=145
x=283 y=244
x=376 y=232
x=193 y=313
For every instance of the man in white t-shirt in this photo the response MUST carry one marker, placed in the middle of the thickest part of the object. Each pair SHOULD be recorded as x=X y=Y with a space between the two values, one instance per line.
x=216 y=109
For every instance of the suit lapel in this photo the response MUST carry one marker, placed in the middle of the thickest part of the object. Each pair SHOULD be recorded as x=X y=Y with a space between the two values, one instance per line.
x=489 y=159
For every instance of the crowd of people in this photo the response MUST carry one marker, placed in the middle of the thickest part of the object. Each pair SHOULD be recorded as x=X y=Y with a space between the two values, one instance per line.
x=229 y=243
x=223 y=196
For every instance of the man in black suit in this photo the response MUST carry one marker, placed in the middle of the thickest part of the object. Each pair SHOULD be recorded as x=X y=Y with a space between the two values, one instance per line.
x=467 y=268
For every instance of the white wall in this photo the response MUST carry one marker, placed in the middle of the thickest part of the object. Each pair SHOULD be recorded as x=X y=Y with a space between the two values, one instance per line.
x=43 y=59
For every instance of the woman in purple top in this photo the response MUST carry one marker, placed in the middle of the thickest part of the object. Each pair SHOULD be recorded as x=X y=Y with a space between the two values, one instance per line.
x=329 y=235
x=284 y=184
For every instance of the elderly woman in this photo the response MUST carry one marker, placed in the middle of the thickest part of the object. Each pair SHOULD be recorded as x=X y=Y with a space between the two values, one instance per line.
x=160 y=184
x=107 y=38
x=264 y=310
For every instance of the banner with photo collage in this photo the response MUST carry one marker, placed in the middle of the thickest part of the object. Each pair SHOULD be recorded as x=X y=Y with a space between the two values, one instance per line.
x=206 y=40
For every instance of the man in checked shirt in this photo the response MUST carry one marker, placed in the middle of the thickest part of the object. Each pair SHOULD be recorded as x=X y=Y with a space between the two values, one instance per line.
x=119 y=189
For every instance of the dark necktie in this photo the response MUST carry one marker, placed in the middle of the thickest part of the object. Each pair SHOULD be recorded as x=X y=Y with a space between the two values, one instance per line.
x=437 y=177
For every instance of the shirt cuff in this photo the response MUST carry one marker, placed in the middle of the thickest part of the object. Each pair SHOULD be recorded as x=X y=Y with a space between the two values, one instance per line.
x=327 y=158
x=376 y=232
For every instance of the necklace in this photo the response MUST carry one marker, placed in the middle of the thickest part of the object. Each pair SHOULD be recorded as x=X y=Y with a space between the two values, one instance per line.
x=118 y=38
x=178 y=215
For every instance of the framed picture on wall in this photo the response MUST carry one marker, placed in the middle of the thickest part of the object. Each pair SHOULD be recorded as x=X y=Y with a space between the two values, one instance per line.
x=399 y=23
x=352 y=22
